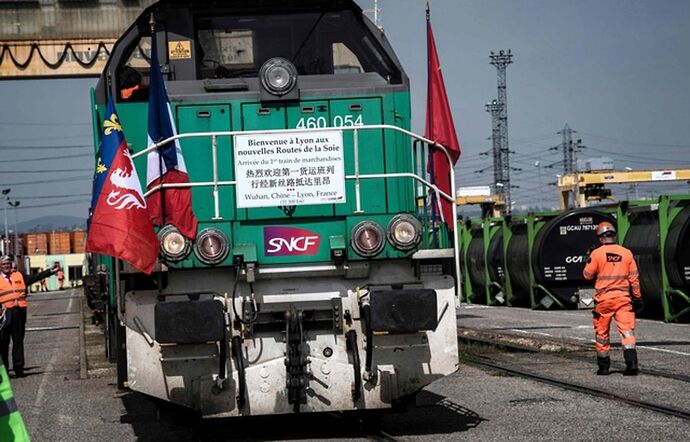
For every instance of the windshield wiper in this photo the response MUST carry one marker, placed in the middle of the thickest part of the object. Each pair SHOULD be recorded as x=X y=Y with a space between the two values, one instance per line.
x=309 y=34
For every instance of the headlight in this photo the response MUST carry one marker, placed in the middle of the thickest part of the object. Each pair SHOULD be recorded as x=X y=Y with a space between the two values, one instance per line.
x=278 y=76
x=211 y=246
x=174 y=246
x=404 y=232
x=367 y=239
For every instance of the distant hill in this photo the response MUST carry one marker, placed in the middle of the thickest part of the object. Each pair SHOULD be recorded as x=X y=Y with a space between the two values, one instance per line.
x=51 y=223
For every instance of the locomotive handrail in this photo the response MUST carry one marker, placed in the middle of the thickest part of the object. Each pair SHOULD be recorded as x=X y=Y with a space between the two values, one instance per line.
x=356 y=177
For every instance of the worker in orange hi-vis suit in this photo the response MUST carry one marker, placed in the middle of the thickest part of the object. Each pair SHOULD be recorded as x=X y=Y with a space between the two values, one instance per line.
x=61 y=279
x=617 y=278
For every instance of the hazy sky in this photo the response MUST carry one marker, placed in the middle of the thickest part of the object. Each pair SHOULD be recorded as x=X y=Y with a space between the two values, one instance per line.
x=617 y=71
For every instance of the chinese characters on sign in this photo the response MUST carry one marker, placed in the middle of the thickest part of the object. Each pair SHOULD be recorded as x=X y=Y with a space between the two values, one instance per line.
x=289 y=169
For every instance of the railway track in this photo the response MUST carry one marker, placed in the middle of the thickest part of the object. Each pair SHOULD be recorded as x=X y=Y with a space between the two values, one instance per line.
x=574 y=351
x=592 y=391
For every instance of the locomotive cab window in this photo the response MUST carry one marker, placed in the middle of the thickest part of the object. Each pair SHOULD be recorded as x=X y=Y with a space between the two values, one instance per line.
x=316 y=43
x=345 y=61
x=226 y=52
x=133 y=74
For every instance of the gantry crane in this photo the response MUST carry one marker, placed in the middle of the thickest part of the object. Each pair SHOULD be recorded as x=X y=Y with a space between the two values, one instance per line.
x=590 y=186
x=492 y=204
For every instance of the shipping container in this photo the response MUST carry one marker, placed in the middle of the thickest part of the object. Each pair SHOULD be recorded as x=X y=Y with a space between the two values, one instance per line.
x=545 y=253
x=658 y=234
x=36 y=243
x=59 y=243
x=78 y=238
x=483 y=258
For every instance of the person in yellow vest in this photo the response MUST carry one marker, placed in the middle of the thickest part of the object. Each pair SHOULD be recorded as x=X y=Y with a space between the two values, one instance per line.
x=13 y=311
x=12 y=426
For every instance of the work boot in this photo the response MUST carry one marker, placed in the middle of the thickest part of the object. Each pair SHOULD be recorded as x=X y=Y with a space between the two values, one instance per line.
x=631 y=368
x=604 y=363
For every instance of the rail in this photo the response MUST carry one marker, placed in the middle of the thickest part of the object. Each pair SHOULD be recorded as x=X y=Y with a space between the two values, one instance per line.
x=357 y=176
x=579 y=388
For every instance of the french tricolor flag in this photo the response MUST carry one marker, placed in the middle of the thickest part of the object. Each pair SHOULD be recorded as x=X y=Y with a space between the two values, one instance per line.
x=166 y=165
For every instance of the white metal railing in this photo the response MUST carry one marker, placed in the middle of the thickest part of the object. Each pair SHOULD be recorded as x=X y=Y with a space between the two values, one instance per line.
x=215 y=184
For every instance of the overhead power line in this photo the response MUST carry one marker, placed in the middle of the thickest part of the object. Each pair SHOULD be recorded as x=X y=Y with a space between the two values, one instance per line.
x=532 y=139
x=73 y=195
x=54 y=180
x=627 y=155
x=61 y=203
x=45 y=170
x=34 y=140
x=33 y=123
x=57 y=157
x=636 y=143
x=534 y=155
x=71 y=146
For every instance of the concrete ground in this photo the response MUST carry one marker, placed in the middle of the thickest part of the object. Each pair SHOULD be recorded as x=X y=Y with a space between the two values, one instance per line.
x=472 y=404
x=662 y=346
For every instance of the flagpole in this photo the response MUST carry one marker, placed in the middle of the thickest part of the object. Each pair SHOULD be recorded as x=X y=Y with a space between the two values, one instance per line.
x=430 y=125
x=446 y=155
x=154 y=47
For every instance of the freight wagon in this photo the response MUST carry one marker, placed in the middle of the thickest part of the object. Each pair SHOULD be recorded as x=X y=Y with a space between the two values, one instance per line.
x=537 y=260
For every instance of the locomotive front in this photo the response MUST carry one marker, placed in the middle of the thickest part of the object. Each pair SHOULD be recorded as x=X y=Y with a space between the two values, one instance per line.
x=311 y=284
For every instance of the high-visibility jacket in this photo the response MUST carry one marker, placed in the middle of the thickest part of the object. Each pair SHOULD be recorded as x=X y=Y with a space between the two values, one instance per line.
x=615 y=271
x=12 y=428
x=13 y=292
x=128 y=91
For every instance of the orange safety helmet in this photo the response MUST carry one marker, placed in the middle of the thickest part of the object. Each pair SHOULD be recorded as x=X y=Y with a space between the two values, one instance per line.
x=605 y=227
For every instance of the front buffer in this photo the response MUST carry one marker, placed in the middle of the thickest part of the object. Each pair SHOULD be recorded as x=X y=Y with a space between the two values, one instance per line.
x=301 y=345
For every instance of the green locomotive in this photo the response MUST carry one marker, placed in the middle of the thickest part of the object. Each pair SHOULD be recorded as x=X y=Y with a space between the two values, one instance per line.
x=312 y=284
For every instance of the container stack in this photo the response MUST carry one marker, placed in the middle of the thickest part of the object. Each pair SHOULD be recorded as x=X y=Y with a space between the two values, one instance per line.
x=78 y=241
x=59 y=243
x=36 y=243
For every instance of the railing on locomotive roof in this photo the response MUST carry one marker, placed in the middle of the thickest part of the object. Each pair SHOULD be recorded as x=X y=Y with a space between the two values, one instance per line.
x=356 y=177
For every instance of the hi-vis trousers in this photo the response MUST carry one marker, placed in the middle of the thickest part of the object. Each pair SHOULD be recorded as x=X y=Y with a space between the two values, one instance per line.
x=12 y=427
x=620 y=309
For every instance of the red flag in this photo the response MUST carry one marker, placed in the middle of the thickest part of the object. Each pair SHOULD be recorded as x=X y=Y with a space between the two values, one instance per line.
x=120 y=225
x=440 y=127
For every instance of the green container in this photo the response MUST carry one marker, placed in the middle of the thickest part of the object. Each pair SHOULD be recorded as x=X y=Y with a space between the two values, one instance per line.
x=658 y=233
x=483 y=257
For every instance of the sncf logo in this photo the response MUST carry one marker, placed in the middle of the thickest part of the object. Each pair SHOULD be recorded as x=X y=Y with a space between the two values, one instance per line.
x=280 y=241
x=613 y=257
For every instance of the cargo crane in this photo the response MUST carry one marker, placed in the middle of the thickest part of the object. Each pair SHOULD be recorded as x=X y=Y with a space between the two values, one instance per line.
x=492 y=204
x=590 y=186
